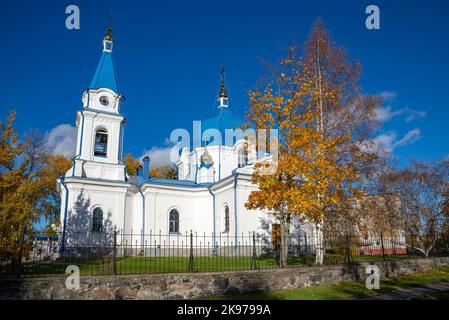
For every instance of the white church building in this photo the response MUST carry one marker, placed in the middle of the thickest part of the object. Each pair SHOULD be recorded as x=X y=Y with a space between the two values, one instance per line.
x=208 y=196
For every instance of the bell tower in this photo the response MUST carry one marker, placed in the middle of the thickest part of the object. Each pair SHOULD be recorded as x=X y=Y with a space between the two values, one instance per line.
x=100 y=123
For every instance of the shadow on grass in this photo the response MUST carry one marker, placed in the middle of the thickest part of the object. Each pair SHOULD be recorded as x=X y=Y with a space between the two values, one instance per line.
x=346 y=290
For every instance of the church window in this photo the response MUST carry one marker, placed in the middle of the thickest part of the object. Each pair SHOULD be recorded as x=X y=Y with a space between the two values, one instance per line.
x=101 y=143
x=108 y=46
x=174 y=221
x=243 y=158
x=226 y=219
x=97 y=220
x=104 y=101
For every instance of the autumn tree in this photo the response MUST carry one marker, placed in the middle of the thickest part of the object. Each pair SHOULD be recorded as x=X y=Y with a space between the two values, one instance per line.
x=166 y=172
x=132 y=164
x=28 y=174
x=13 y=215
x=423 y=188
x=380 y=211
x=324 y=120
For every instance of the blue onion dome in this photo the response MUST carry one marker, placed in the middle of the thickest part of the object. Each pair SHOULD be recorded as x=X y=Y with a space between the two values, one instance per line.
x=206 y=159
x=223 y=119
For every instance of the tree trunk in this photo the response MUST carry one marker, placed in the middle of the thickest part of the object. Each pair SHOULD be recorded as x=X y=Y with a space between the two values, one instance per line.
x=427 y=251
x=319 y=244
x=283 y=250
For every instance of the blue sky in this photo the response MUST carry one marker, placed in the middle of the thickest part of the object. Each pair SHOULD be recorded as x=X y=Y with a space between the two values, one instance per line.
x=168 y=55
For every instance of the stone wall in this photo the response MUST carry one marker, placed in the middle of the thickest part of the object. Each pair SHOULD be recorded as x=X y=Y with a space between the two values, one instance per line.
x=193 y=285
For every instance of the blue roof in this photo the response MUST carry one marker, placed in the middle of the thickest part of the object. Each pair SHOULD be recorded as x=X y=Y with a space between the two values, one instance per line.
x=177 y=183
x=105 y=75
x=222 y=120
x=44 y=238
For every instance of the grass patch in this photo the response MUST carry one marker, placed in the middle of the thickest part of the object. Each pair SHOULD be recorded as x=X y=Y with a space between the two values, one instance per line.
x=434 y=296
x=158 y=264
x=348 y=289
x=142 y=265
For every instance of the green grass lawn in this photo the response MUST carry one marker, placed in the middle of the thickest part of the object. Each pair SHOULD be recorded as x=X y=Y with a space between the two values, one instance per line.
x=350 y=289
x=138 y=264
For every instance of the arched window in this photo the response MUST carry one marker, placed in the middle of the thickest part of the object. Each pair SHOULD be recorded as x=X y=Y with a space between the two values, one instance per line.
x=226 y=219
x=243 y=158
x=101 y=143
x=174 y=221
x=97 y=220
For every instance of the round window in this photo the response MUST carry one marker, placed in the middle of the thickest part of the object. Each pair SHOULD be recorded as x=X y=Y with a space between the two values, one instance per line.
x=104 y=100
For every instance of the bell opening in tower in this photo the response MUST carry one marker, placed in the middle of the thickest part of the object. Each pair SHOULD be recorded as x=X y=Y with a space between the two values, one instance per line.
x=101 y=143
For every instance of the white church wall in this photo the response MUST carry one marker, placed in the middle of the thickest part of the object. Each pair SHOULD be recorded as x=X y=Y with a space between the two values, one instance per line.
x=83 y=199
x=224 y=197
x=192 y=205
x=250 y=220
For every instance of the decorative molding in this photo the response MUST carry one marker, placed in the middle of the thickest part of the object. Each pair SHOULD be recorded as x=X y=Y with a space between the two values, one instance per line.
x=91 y=191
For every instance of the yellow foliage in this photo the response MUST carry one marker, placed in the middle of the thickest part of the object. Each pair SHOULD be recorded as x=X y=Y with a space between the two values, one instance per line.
x=320 y=158
x=27 y=184
x=132 y=164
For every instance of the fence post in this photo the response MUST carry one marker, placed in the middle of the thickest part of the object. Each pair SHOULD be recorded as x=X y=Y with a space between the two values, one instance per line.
x=254 y=257
x=348 y=252
x=114 y=254
x=191 y=264
x=446 y=244
x=393 y=244
x=382 y=244
x=22 y=241
x=305 y=245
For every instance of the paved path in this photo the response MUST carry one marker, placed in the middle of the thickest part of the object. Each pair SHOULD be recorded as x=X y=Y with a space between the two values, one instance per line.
x=404 y=294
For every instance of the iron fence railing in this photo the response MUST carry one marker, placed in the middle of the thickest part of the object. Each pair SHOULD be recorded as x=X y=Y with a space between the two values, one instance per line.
x=114 y=253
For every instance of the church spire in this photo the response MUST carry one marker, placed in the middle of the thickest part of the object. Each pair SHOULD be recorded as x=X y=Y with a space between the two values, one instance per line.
x=223 y=95
x=105 y=76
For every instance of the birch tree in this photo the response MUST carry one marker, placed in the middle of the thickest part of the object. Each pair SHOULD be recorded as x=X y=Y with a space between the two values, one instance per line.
x=312 y=96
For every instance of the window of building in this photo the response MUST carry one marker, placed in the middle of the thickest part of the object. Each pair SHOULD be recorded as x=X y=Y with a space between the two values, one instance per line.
x=174 y=221
x=243 y=158
x=97 y=220
x=108 y=45
x=101 y=143
x=226 y=219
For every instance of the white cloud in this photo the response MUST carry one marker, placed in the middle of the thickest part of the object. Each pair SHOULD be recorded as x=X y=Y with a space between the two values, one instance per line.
x=413 y=114
x=160 y=156
x=61 y=140
x=388 y=95
x=411 y=137
x=386 y=113
x=384 y=144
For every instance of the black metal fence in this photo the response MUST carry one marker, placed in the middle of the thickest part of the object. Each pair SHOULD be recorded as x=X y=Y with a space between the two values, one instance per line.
x=113 y=253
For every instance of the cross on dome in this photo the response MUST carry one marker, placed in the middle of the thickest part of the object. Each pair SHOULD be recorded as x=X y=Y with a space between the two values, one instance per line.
x=223 y=95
